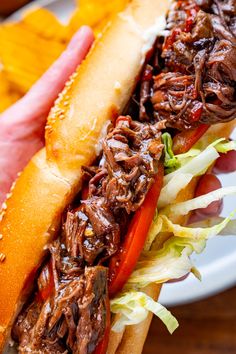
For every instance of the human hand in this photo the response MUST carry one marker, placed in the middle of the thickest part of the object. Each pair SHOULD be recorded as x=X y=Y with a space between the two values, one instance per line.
x=209 y=182
x=22 y=125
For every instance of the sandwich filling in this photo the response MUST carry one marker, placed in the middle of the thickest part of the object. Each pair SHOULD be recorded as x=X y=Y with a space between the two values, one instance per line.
x=188 y=82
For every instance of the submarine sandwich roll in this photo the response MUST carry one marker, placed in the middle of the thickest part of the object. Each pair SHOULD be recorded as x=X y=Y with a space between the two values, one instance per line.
x=96 y=221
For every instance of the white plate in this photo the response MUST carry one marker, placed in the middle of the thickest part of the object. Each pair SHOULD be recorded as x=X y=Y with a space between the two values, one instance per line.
x=218 y=262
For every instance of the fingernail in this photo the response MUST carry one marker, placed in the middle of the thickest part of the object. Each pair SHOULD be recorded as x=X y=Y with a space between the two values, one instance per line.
x=80 y=34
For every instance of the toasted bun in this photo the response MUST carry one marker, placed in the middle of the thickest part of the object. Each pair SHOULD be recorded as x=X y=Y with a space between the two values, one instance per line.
x=96 y=93
x=132 y=339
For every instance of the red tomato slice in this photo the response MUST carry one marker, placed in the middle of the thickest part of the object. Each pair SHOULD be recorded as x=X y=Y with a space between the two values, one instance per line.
x=123 y=262
x=183 y=141
x=101 y=348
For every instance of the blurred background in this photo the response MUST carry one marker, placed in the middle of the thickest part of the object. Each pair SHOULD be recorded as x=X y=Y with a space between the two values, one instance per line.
x=7 y=7
x=205 y=327
x=30 y=40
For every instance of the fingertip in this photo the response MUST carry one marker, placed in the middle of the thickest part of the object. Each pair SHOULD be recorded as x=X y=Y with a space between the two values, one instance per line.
x=84 y=34
x=86 y=31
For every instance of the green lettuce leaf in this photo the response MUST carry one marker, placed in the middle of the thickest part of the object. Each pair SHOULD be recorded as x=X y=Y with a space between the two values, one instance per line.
x=229 y=229
x=171 y=163
x=173 y=260
x=133 y=308
x=202 y=201
x=194 y=232
x=193 y=163
x=221 y=145
x=197 y=165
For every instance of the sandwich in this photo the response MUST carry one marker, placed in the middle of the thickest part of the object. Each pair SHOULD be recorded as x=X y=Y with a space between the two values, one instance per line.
x=96 y=222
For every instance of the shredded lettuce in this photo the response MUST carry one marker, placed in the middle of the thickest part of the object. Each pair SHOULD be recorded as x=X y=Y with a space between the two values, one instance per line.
x=229 y=229
x=221 y=145
x=193 y=163
x=170 y=191
x=194 y=232
x=174 y=182
x=202 y=201
x=197 y=165
x=173 y=260
x=154 y=230
x=209 y=137
x=171 y=163
x=133 y=307
x=187 y=156
x=224 y=146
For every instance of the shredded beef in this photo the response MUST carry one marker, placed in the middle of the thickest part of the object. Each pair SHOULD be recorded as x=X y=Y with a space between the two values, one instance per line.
x=174 y=99
x=72 y=319
x=127 y=168
x=203 y=26
x=204 y=4
x=225 y=11
x=117 y=187
x=131 y=154
x=145 y=92
x=104 y=233
x=221 y=63
x=198 y=81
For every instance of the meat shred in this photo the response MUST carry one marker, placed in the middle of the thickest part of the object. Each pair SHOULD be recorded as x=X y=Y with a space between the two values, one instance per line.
x=73 y=319
x=198 y=80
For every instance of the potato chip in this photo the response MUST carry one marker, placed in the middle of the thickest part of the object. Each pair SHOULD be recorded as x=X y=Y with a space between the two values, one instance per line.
x=95 y=13
x=7 y=93
x=46 y=24
x=26 y=55
x=30 y=46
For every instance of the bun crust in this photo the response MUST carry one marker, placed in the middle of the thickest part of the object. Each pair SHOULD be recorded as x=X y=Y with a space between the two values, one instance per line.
x=132 y=339
x=96 y=93
x=101 y=88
